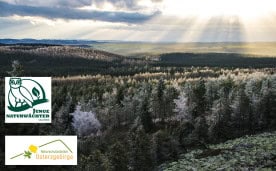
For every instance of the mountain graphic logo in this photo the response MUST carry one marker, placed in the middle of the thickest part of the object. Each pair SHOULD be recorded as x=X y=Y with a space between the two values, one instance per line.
x=25 y=94
x=33 y=149
x=41 y=150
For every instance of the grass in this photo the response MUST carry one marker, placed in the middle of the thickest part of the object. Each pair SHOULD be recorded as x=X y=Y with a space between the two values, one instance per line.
x=256 y=152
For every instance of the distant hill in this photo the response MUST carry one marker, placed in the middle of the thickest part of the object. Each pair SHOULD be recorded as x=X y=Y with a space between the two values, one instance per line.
x=52 y=60
x=149 y=50
x=60 y=60
x=47 y=41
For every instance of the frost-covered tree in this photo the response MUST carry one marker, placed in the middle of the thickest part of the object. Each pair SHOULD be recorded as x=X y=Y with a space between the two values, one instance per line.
x=268 y=102
x=190 y=103
x=170 y=94
x=17 y=69
x=107 y=114
x=252 y=90
x=196 y=99
x=199 y=99
x=265 y=99
x=221 y=125
x=61 y=119
x=212 y=87
x=130 y=108
x=85 y=123
x=181 y=107
x=240 y=110
x=157 y=103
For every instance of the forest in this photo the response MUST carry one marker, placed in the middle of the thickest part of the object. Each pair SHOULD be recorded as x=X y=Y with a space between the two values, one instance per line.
x=179 y=111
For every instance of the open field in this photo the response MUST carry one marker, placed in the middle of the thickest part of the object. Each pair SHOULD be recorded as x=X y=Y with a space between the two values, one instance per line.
x=148 y=49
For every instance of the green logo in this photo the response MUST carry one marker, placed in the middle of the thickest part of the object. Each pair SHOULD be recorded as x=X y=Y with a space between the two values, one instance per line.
x=25 y=94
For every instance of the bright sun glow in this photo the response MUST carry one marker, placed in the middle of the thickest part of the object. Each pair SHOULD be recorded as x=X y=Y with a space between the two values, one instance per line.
x=177 y=21
x=209 y=8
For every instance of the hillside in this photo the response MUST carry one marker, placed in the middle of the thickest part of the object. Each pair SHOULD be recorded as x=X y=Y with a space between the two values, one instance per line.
x=47 y=41
x=57 y=60
x=246 y=153
x=53 y=60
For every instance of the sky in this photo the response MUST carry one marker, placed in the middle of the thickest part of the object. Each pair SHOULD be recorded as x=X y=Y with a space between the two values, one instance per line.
x=140 y=20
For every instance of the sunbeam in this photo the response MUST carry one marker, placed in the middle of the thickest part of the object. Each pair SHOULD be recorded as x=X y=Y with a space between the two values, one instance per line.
x=209 y=8
x=173 y=21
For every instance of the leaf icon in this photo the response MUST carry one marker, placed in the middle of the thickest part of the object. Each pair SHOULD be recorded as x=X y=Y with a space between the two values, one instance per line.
x=35 y=92
x=27 y=154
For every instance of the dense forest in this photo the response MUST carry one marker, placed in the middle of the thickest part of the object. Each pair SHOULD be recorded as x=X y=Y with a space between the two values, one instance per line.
x=217 y=60
x=146 y=114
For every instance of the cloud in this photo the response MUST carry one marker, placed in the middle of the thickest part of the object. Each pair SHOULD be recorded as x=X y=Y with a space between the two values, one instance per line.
x=158 y=1
x=120 y=4
x=8 y=9
x=51 y=3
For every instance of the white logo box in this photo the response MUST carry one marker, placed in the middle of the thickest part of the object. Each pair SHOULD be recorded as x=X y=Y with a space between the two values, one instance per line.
x=40 y=150
x=28 y=100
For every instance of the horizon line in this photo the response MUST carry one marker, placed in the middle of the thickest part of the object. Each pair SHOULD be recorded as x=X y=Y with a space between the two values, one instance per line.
x=130 y=41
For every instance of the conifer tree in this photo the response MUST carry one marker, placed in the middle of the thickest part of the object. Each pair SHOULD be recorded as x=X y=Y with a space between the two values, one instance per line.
x=140 y=157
